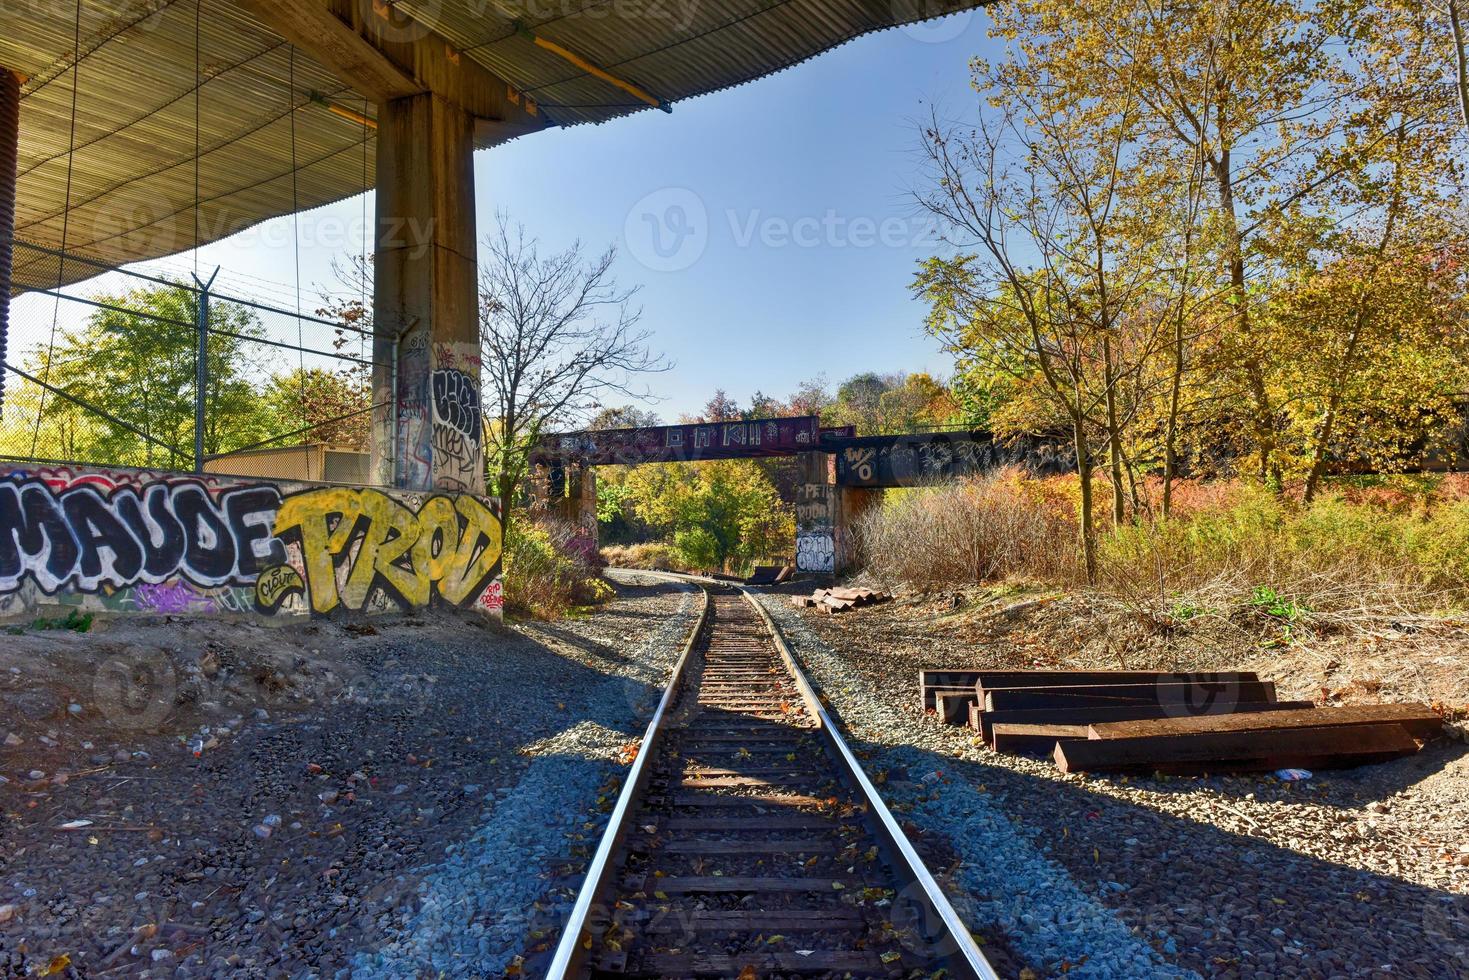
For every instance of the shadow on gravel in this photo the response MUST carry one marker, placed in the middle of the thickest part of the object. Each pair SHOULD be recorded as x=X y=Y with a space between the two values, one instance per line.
x=318 y=828
x=1218 y=903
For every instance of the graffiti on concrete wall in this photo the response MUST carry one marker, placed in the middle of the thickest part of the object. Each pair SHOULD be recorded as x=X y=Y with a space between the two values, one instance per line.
x=86 y=538
x=814 y=505
x=458 y=445
x=815 y=551
x=141 y=542
x=352 y=545
x=815 y=517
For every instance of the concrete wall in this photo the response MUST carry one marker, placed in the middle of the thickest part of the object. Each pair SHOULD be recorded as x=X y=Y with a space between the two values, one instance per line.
x=131 y=541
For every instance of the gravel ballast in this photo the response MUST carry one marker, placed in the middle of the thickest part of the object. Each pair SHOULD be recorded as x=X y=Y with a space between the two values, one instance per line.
x=478 y=905
x=1229 y=877
x=352 y=785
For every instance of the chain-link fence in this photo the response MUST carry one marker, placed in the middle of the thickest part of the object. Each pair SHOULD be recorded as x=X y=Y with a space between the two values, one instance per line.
x=131 y=369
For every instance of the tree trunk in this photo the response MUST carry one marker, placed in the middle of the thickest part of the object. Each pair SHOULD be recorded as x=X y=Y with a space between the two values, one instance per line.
x=1084 y=471
x=1114 y=434
x=1170 y=436
x=505 y=485
x=1262 y=420
x=1461 y=60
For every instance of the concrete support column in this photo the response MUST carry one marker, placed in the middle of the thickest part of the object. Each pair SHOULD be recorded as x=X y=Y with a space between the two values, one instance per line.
x=429 y=433
x=816 y=514
x=9 y=154
x=851 y=504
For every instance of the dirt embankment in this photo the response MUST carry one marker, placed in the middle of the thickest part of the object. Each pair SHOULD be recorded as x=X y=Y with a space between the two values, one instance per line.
x=199 y=798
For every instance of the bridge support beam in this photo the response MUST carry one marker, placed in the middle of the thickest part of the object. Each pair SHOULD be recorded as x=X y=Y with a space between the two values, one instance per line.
x=425 y=308
x=851 y=504
x=433 y=103
x=816 y=514
x=568 y=493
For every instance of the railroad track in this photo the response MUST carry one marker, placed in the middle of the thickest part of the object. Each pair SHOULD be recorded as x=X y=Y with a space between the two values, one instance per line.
x=748 y=843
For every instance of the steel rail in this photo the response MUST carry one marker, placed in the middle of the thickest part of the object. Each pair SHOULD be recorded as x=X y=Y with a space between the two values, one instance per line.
x=966 y=955
x=963 y=959
x=571 y=951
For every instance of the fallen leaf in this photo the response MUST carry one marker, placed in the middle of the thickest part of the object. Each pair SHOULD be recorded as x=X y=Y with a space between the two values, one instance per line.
x=57 y=964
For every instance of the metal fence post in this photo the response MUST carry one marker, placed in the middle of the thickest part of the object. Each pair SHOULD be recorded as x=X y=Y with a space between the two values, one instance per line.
x=201 y=368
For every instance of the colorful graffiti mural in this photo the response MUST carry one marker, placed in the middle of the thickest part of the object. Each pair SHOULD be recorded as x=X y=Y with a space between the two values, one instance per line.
x=355 y=542
x=145 y=542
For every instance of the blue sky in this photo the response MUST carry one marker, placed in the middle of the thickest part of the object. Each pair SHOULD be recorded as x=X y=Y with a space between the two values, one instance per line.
x=800 y=261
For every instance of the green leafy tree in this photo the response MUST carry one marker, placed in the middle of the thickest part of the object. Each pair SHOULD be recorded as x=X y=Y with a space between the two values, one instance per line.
x=719 y=514
x=135 y=359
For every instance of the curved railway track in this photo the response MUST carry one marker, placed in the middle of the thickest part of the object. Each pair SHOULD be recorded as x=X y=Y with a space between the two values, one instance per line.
x=747 y=842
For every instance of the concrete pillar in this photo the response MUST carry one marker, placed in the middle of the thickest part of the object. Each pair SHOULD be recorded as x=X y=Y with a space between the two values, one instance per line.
x=816 y=514
x=9 y=154
x=851 y=504
x=429 y=435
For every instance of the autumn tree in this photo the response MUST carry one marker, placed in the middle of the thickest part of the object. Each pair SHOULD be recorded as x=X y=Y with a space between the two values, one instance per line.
x=558 y=337
x=319 y=405
x=1287 y=105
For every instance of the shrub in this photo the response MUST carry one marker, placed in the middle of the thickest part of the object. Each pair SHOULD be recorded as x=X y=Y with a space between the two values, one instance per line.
x=547 y=571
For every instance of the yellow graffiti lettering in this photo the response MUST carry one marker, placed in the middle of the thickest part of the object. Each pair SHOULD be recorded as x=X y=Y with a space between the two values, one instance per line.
x=324 y=521
x=390 y=533
x=470 y=572
x=436 y=549
x=449 y=545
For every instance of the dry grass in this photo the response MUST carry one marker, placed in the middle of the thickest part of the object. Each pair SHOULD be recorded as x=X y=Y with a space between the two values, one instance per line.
x=1355 y=562
x=655 y=555
x=976 y=531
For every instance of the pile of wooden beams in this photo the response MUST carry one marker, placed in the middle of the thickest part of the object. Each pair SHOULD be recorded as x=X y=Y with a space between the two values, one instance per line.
x=1146 y=721
x=832 y=601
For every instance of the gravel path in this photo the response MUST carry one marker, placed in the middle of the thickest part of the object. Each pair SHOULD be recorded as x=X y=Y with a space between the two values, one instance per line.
x=479 y=905
x=1227 y=877
x=335 y=825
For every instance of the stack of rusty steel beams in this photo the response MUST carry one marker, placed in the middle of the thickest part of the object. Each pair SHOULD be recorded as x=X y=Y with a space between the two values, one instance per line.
x=1146 y=721
x=770 y=574
x=832 y=601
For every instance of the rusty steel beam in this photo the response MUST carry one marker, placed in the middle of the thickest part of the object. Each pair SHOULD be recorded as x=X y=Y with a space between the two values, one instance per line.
x=9 y=155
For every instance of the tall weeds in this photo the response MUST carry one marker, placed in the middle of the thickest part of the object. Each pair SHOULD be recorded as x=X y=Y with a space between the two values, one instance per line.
x=1227 y=550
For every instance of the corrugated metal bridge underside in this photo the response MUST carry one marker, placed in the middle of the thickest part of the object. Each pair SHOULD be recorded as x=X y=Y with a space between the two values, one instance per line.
x=134 y=109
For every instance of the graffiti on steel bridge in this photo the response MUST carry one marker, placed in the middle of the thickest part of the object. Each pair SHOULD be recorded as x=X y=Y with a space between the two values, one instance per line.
x=136 y=541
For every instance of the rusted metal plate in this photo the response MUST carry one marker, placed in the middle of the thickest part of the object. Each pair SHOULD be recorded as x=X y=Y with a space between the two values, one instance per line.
x=920 y=458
